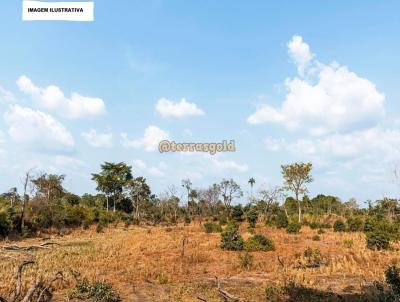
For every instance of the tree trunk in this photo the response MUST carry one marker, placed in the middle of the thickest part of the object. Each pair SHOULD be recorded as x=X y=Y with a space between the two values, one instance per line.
x=299 y=205
x=107 y=202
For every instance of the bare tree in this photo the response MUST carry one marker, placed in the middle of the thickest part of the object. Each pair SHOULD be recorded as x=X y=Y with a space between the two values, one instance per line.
x=229 y=191
x=26 y=180
x=269 y=197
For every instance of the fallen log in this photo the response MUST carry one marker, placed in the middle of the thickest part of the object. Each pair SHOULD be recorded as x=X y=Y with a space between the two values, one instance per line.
x=227 y=296
x=46 y=245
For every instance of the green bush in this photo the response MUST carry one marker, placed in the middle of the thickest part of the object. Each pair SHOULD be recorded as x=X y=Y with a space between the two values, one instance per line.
x=252 y=217
x=355 y=224
x=237 y=213
x=377 y=240
x=97 y=291
x=293 y=228
x=392 y=275
x=259 y=243
x=231 y=240
x=212 y=227
x=339 y=226
x=5 y=224
x=281 y=220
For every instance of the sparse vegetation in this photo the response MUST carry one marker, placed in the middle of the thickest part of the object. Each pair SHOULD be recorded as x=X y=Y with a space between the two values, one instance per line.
x=123 y=221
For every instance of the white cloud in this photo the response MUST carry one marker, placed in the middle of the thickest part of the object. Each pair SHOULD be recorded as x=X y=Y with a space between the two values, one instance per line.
x=6 y=96
x=300 y=53
x=229 y=165
x=376 y=144
x=98 y=140
x=180 y=109
x=29 y=126
x=150 y=140
x=68 y=161
x=336 y=100
x=52 y=98
x=156 y=171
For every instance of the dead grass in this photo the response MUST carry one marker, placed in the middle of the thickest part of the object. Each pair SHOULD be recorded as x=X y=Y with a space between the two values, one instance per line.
x=148 y=264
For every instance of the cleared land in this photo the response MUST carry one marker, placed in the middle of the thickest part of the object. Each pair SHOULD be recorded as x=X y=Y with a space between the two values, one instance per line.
x=179 y=263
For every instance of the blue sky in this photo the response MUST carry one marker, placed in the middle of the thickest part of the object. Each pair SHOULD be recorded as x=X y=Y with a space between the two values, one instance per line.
x=311 y=81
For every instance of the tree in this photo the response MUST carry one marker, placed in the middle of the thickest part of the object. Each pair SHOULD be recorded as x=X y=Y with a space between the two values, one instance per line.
x=139 y=192
x=229 y=191
x=295 y=177
x=187 y=184
x=112 y=179
x=49 y=187
x=269 y=197
x=251 y=181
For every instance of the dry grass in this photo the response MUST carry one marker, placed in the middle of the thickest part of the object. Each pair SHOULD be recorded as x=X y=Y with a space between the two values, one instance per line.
x=148 y=264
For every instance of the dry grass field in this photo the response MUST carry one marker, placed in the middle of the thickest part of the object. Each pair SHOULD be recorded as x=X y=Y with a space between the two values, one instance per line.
x=180 y=263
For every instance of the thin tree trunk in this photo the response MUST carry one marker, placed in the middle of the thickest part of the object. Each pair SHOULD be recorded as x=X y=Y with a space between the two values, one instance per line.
x=299 y=205
x=107 y=202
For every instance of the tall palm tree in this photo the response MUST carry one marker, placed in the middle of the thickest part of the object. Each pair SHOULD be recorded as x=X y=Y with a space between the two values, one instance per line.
x=252 y=181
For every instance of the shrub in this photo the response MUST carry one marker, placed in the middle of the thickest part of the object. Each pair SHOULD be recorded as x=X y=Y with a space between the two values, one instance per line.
x=259 y=243
x=5 y=224
x=293 y=228
x=246 y=260
x=369 y=224
x=320 y=231
x=377 y=240
x=100 y=226
x=97 y=291
x=316 y=238
x=186 y=219
x=281 y=220
x=212 y=227
x=252 y=217
x=348 y=243
x=339 y=226
x=392 y=275
x=222 y=219
x=355 y=224
x=231 y=240
x=237 y=213
x=313 y=255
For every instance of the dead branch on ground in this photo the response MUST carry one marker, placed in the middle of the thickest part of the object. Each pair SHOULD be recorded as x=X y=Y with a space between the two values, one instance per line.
x=227 y=296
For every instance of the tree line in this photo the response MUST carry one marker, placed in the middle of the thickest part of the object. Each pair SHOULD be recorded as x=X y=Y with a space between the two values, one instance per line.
x=44 y=203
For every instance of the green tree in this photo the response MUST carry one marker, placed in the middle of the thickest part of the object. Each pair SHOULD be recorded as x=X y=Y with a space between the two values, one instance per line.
x=251 y=181
x=112 y=179
x=139 y=193
x=295 y=177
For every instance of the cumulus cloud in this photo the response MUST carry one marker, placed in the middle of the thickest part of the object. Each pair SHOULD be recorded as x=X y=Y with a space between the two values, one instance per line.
x=29 y=126
x=150 y=140
x=6 y=96
x=229 y=165
x=337 y=99
x=97 y=139
x=370 y=144
x=156 y=171
x=167 y=108
x=300 y=53
x=52 y=98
